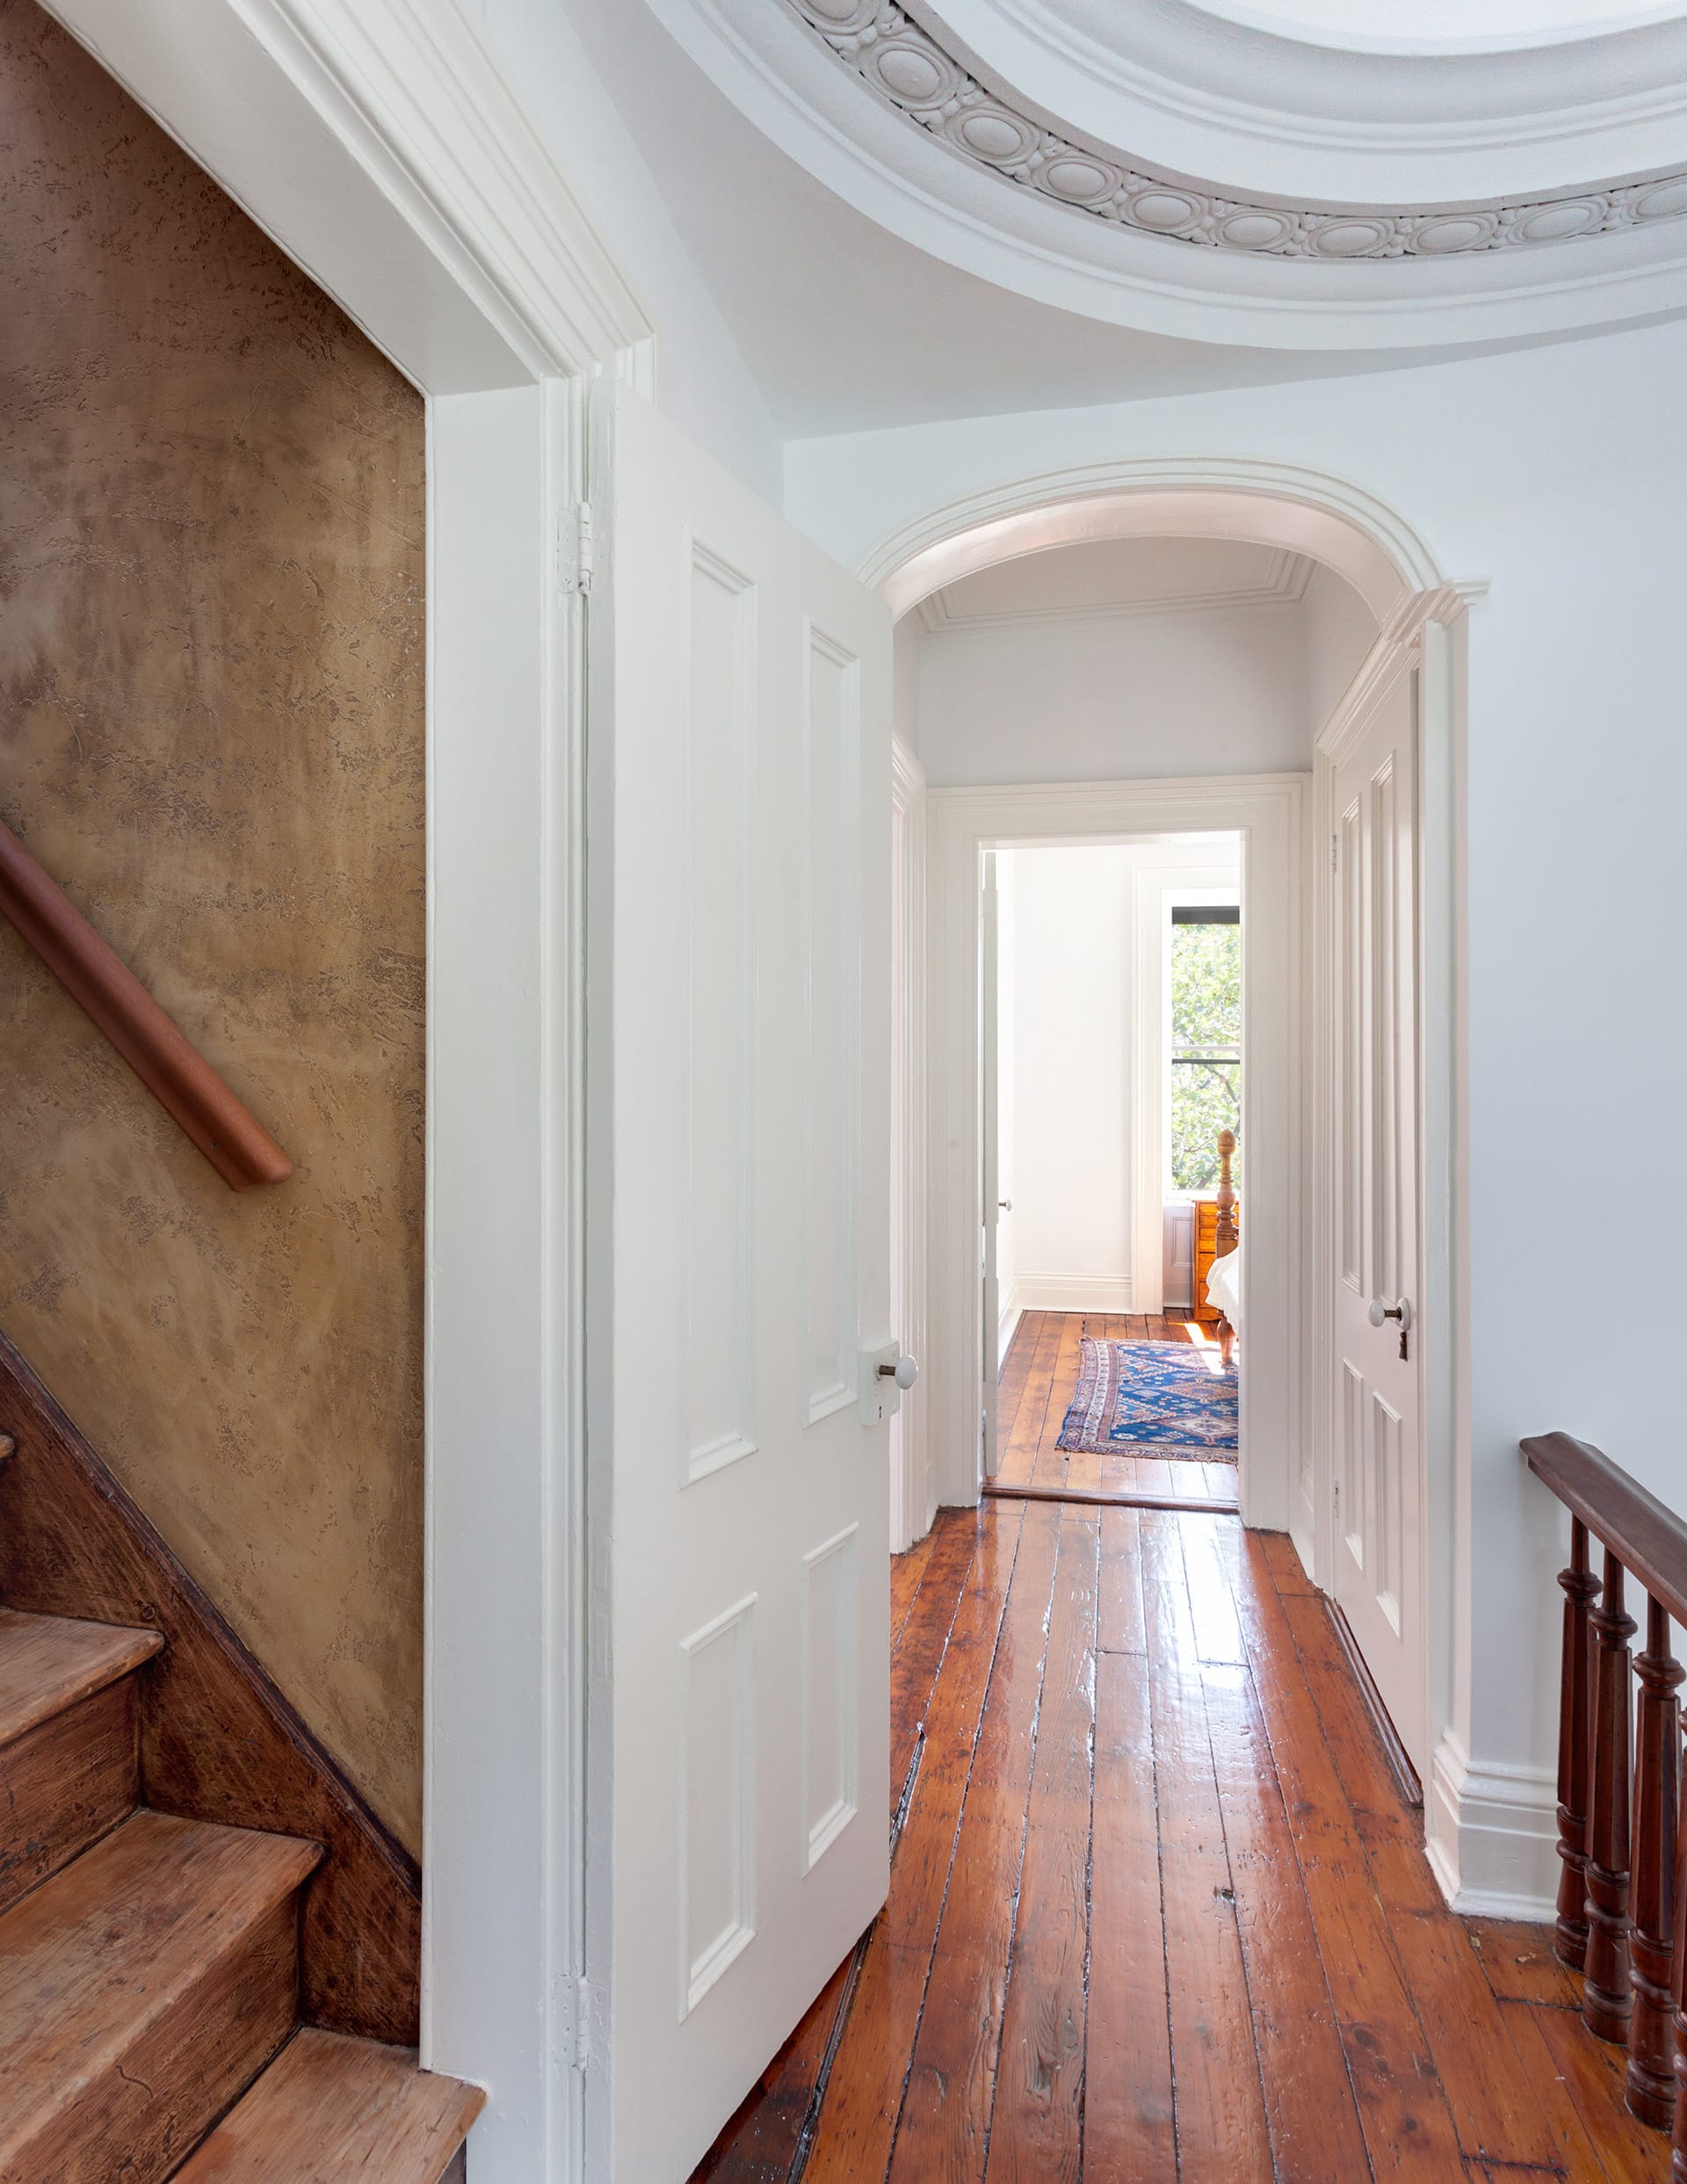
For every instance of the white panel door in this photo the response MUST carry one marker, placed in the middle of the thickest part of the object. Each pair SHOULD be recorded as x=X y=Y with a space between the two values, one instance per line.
x=1379 y=1500
x=738 y=1270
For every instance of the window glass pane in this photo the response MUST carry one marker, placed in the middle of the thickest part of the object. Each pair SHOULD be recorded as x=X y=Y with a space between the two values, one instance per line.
x=1206 y=1050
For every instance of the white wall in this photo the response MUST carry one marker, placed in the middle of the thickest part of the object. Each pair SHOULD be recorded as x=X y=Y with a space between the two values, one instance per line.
x=1139 y=698
x=1070 y=1066
x=1561 y=473
x=702 y=381
x=1072 y=1097
x=1339 y=630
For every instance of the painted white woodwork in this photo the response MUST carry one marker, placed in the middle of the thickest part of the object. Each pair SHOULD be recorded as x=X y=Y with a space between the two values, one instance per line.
x=911 y=1504
x=382 y=146
x=1155 y=887
x=1266 y=813
x=1114 y=578
x=1379 y=1495
x=1311 y=96
x=738 y=1025
x=937 y=539
x=988 y=185
x=990 y=1155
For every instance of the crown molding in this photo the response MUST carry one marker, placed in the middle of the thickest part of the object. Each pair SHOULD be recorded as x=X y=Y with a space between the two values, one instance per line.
x=1284 y=585
x=786 y=79
x=1201 y=90
x=993 y=126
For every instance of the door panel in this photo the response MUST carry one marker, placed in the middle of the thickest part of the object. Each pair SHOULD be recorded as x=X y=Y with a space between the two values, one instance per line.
x=737 y=1242
x=1378 y=1469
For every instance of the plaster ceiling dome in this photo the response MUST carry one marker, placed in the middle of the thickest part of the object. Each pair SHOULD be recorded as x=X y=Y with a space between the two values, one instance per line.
x=1303 y=174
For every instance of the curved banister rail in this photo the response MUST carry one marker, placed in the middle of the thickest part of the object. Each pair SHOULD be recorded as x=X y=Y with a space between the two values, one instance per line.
x=170 y=1067
x=1648 y=1539
x=1621 y=1897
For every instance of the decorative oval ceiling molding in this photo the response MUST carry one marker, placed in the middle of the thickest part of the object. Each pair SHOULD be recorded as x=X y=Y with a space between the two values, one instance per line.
x=904 y=64
x=782 y=74
x=1289 y=505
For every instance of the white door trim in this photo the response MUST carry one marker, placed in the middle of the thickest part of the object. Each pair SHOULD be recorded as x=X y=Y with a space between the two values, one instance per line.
x=382 y=147
x=912 y=1501
x=1491 y=1852
x=1268 y=811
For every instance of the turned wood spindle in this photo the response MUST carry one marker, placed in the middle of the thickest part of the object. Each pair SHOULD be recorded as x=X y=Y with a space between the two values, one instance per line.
x=1607 y=1996
x=1225 y=1234
x=1678 y=1987
x=1581 y=1589
x=1651 y=2077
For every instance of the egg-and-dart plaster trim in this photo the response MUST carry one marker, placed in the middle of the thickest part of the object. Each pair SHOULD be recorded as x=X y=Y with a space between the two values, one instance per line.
x=903 y=64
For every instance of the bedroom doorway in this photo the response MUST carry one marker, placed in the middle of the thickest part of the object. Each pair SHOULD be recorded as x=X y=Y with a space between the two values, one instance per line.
x=1111 y=1077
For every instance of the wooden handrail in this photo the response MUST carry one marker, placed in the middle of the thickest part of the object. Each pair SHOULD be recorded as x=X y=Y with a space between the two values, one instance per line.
x=1622 y=1898
x=170 y=1067
x=1649 y=1540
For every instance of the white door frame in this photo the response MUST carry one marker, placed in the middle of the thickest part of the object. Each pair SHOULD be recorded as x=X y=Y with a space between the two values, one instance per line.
x=1268 y=812
x=1427 y=635
x=381 y=146
x=913 y=1504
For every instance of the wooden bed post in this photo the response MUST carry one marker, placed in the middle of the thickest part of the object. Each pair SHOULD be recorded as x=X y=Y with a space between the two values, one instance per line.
x=1225 y=1236
x=1228 y=1237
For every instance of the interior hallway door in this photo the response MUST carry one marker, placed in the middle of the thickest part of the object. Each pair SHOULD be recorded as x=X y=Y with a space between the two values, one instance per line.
x=1380 y=1504
x=738 y=1287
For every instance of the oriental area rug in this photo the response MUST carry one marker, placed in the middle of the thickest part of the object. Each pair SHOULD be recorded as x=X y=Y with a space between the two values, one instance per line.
x=1152 y=1398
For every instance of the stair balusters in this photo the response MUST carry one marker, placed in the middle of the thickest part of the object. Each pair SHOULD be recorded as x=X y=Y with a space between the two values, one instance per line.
x=1574 y=1729
x=1622 y=1807
x=1657 y=1775
x=1607 y=1997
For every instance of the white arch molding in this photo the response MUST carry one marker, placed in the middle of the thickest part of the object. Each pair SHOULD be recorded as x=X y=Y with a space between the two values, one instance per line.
x=1204 y=496
x=1421 y=614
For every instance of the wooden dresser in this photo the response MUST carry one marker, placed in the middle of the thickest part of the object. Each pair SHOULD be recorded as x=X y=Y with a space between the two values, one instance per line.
x=1204 y=1249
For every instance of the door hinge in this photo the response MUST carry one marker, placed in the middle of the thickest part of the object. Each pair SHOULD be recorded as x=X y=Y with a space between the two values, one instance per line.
x=1335 y=852
x=574 y=2020
x=575 y=556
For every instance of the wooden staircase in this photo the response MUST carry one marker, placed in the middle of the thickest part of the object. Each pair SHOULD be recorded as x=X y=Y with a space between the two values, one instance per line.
x=150 y=1964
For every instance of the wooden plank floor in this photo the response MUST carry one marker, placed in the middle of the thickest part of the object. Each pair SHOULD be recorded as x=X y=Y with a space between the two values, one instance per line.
x=1040 y=1378
x=1158 y=1912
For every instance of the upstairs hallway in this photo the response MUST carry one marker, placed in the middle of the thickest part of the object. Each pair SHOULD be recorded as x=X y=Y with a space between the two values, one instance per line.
x=1158 y=1909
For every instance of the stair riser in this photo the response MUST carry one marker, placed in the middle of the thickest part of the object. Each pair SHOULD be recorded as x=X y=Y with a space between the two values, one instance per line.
x=140 y=2118
x=64 y=1784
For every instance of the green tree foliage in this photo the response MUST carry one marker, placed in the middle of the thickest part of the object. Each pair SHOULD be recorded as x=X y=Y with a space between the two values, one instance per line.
x=1206 y=1050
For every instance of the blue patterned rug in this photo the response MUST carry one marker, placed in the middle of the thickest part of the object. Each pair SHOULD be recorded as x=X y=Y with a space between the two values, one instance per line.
x=1152 y=1398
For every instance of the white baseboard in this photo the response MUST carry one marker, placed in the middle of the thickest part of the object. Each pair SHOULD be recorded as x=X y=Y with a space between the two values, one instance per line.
x=1073 y=1293
x=1013 y=1311
x=1492 y=1835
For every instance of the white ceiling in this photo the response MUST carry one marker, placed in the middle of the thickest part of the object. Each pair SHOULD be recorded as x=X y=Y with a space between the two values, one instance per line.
x=874 y=275
x=847 y=326
x=1419 y=25
x=1105 y=579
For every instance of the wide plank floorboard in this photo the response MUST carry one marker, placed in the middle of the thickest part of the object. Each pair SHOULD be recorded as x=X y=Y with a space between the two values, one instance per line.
x=1159 y=1912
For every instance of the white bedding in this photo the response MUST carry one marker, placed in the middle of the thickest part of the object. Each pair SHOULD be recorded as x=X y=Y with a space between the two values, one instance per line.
x=1224 y=1287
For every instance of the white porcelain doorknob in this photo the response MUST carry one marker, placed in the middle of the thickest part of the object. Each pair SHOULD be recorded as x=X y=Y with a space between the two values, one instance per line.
x=905 y=1371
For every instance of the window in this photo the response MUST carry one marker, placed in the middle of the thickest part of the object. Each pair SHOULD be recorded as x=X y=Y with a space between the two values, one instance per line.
x=1206 y=1044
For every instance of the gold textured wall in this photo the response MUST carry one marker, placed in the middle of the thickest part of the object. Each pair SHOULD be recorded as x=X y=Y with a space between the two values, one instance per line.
x=211 y=733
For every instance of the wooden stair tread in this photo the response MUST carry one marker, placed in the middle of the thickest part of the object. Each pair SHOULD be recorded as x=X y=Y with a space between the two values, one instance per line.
x=47 y=1663
x=94 y=1957
x=331 y=2109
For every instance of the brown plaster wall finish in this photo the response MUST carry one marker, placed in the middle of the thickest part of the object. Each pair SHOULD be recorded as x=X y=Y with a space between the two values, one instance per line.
x=211 y=733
